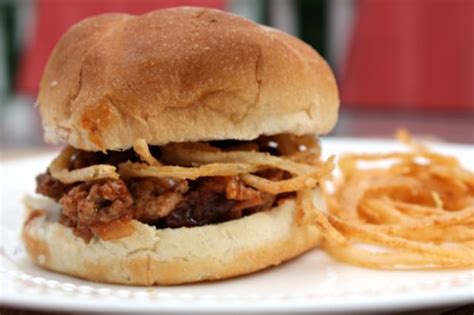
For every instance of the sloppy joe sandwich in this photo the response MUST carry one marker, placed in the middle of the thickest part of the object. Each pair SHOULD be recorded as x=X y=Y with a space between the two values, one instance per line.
x=192 y=150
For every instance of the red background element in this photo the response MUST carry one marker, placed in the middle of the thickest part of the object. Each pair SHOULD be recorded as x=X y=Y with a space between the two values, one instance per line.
x=413 y=54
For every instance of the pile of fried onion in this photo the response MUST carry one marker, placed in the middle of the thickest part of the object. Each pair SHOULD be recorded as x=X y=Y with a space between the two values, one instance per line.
x=406 y=210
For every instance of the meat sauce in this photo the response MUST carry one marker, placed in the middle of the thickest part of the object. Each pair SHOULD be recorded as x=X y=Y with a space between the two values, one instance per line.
x=162 y=202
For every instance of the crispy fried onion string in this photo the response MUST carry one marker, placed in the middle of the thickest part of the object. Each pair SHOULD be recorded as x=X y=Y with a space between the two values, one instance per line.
x=129 y=169
x=141 y=148
x=309 y=214
x=177 y=153
x=59 y=169
x=304 y=181
x=417 y=209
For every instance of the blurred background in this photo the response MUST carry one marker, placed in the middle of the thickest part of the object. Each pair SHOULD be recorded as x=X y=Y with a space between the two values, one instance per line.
x=398 y=63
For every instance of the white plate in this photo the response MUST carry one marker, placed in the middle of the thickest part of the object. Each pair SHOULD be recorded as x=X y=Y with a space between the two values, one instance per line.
x=312 y=283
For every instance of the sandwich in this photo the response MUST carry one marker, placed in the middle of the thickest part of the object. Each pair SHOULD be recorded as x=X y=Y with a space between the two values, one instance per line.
x=191 y=149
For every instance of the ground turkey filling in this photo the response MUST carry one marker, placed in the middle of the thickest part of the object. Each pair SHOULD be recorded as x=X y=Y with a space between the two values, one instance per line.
x=162 y=202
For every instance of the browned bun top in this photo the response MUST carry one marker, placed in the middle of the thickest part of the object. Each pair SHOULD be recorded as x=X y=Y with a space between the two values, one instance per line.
x=182 y=74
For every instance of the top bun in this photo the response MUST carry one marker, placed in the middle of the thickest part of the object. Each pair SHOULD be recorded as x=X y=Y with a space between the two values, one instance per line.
x=182 y=74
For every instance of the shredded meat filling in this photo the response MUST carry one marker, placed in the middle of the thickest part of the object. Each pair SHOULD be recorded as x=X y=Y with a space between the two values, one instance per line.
x=163 y=202
x=155 y=198
x=214 y=200
x=90 y=204
x=48 y=186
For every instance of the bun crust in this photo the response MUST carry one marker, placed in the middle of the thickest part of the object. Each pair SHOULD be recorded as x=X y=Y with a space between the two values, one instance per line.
x=172 y=256
x=182 y=74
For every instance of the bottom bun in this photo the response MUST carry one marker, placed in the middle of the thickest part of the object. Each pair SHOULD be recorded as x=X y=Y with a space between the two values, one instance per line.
x=171 y=256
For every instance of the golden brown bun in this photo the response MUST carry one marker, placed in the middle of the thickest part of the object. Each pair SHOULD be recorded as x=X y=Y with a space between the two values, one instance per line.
x=172 y=256
x=182 y=74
